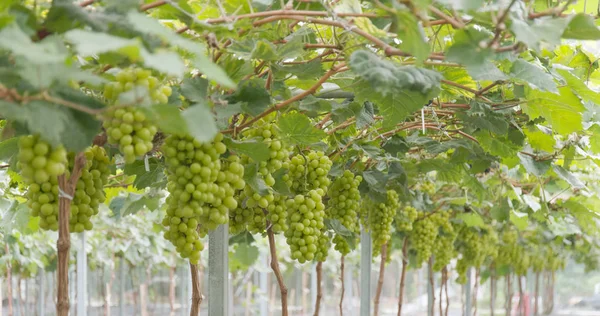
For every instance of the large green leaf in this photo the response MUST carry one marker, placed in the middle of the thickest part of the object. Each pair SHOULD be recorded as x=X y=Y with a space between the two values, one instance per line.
x=466 y=49
x=582 y=27
x=543 y=30
x=394 y=106
x=152 y=177
x=196 y=121
x=533 y=166
x=412 y=35
x=252 y=96
x=580 y=87
x=562 y=111
x=533 y=75
x=540 y=140
x=49 y=50
x=297 y=129
x=386 y=77
x=256 y=150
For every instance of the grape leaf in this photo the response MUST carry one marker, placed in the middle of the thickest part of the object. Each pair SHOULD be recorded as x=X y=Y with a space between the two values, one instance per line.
x=537 y=168
x=297 y=129
x=486 y=71
x=466 y=50
x=544 y=30
x=386 y=77
x=579 y=87
x=366 y=116
x=197 y=121
x=49 y=50
x=533 y=75
x=563 y=111
x=471 y=219
x=540 y=140
x=252 y=96
x=212 y=71
x=582 y=27
x=256 y=150
x=195 y=89
x=154 y=177
x=569 y=177
x=9 y=148
x=412 y=35
x=253 y=179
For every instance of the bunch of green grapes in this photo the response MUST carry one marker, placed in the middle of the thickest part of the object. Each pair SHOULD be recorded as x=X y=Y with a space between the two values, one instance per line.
x=258 y=204
x=128 y=127
x=405 y=217
x=538 y=259
x=381 y=216
x=323 y=245
x=422 y=237
x=40 y=165
x=508 y=247
x=443 y=249
x=268 y=134
x=475 y=246
x=343 y=205
x=89 y=191
x=277 y=214
x=305 y=225
x=427 y=187
x=308 y=172
x=201 y=188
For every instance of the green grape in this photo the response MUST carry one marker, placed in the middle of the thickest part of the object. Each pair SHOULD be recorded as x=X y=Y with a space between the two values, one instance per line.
x=258 y=205
x=422 y=237
x=40 y=165
x=405 y=218
x=323 y=245
x=268 y=134
x=89 y=191
x=427 y=187
x=128 y=127
x=343 y=205
x=277 y=214
x=308 y=172
x=380 y=219
x=305 y=222
x=475 y=246
x=202 y=190
x=443 y=249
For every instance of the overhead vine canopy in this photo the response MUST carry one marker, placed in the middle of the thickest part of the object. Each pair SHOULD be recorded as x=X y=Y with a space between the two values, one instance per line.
x=261 y=114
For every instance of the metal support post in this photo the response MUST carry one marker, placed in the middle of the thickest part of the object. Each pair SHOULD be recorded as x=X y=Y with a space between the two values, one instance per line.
x=468 y=293
x=41 y=293
x=81 y=277
x=264 y=287
x=121 y=287
x=218 y=271
x=313 y=286
x=365 y=272
x=348 y=291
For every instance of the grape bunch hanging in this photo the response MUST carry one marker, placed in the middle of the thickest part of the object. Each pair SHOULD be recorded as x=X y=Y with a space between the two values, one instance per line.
x=127 y=126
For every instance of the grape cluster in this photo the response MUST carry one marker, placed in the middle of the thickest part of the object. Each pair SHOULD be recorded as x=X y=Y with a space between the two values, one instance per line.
x=128 y=127
x=89 y=191
x=268 y=134
x=277 y=214
x=443 y=249
x=201 y=188
x=426 y=187
x=422 y=237
x=380 y=219
x=255 y=208
x=405 y=218
x=40 y=165
x=475 y=246
x=343 y=205
x=305 y=225
x=308 y=172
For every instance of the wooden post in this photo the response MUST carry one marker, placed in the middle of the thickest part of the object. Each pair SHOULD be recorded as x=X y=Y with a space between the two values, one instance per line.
x=196 y=291
x=403 y=275
x=67 y=189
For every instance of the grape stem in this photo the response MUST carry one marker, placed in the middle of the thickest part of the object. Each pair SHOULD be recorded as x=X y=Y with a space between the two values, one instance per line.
x=64 y=239
x=275 y=266
x=343 y=288
x=196 y=295
x=536 y=294
x=380 y=280
x=446 y=290
x=319 y=269
x=9 y=282
x=508 y=294
x=403 y=274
